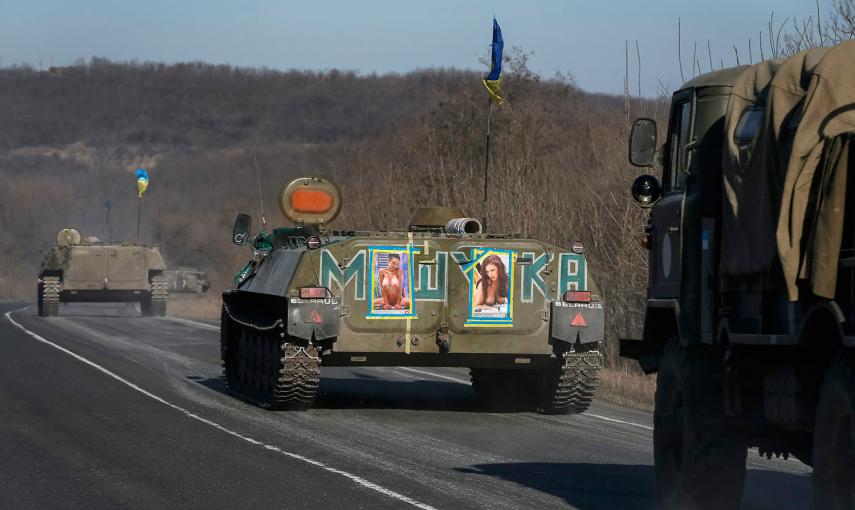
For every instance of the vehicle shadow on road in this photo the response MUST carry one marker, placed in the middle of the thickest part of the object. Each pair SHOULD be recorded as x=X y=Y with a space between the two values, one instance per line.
x=594 y=486
x=581 y=485
x=366 y=392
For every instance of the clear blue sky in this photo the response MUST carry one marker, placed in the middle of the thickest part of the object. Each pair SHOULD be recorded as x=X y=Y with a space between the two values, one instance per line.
x=583 y=38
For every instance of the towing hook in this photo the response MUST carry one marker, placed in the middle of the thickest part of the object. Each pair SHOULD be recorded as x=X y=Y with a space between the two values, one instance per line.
x=443 y=338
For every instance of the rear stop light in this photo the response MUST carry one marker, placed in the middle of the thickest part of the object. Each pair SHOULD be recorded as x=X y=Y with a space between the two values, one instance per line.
x=313 y=292
x=577 y=296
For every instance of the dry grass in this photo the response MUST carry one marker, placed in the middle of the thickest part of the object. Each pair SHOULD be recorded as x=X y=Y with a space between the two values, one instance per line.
x=626 y=387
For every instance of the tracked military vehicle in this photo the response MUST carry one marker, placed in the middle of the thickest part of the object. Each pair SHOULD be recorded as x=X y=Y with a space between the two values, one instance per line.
x=750 y=317
x=187 y=280
x=84 y=270
x=524 y=316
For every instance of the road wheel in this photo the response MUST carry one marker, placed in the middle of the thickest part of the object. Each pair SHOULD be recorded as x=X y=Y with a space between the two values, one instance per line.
x=699 y=455
x=834 y=437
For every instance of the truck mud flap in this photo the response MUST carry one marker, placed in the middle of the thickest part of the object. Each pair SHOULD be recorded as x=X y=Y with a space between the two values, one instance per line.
x=584 y=322
x=313 y=318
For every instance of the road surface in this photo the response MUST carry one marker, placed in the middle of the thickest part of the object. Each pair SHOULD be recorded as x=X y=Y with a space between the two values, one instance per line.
x=101 y=408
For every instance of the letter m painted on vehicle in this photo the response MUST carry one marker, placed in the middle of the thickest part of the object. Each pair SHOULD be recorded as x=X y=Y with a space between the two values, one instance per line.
x=331 y=271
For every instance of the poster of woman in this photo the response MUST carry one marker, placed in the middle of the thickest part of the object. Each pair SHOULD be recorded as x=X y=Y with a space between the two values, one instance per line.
x=491 y=292
x=391 y=283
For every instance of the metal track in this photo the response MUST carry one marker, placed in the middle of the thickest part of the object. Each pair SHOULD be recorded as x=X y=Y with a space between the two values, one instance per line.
x=159 y=296
x=48 y=296
x=570 y=387
x=268 y=368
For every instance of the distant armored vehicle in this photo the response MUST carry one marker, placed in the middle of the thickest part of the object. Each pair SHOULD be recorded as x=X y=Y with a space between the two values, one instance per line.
x=524 y=316
x=750 y=317
x=186 y=280
x=77 y=270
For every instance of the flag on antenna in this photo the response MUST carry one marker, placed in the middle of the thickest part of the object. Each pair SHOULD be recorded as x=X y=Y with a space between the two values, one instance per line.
x=142 y=181
x=493 y=81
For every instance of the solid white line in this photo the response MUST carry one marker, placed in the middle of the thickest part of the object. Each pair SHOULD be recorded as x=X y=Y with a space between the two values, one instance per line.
x=462 y=381
x=423 y=372
x=615 y=420
x=195 y=323
x=357 y=479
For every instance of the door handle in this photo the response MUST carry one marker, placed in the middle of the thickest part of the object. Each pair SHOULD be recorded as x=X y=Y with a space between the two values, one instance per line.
x=673 y=229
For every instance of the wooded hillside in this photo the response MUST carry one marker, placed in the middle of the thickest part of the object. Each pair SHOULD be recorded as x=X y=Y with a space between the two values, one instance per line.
x=69 y=142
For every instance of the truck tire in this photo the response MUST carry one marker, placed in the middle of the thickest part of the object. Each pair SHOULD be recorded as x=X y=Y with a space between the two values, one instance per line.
x=834 y=437
x=568 y=386
x=699 y=456
x=49 y=288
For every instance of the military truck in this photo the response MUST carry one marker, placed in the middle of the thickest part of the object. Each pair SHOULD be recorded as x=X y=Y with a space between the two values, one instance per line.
x=84 y=270
x=524 y=316
x=750 y=319
x=186 y=280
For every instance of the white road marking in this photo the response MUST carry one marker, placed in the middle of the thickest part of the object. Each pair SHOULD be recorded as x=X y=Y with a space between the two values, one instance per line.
x=357 y=479
x=615 y=420
x=463 y=381
x=424 y=372
x=192 y=322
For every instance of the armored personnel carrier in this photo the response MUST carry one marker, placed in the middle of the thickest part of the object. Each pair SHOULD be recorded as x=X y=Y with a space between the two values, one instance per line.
x=185 y=280
x=524 y=316
x=78 y=270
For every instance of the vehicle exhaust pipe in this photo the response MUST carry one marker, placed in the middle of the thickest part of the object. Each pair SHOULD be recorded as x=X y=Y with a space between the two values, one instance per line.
x=463 y=226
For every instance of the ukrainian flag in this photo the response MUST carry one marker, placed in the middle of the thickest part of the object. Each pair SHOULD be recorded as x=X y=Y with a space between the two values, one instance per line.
x=142 y=181
x=493 y=81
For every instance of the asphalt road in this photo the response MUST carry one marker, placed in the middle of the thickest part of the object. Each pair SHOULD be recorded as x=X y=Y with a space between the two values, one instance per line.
x=100 y=408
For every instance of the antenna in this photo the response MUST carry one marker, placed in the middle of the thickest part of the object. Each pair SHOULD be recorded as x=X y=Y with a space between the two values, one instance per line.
x=260 y=195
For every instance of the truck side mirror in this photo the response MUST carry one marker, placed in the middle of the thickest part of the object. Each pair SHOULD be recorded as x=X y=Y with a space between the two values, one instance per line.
x=642 y=142
x=243 y=226
x=646 y=190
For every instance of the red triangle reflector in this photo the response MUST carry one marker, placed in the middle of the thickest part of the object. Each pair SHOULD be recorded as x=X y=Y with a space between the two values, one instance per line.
x=579 y=321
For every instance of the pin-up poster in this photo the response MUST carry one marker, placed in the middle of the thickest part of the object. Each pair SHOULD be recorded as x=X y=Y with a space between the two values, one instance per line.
x=391 y=282
x=491 y=293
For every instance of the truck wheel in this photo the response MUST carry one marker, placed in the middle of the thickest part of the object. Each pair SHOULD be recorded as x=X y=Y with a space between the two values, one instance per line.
x=568 y=386
x=699 y=456
x=834 y=437
x=48 y=296
x=503 y=390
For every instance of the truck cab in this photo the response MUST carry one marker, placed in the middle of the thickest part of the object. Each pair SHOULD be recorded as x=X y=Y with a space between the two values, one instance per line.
x=680 y=205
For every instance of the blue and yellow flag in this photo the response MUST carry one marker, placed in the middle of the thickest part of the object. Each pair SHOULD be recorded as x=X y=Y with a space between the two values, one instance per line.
x=493 y=81
x=142 y=181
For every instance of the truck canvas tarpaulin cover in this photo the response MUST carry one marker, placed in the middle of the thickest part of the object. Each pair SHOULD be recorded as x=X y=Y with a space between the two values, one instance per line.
x=788 y=127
